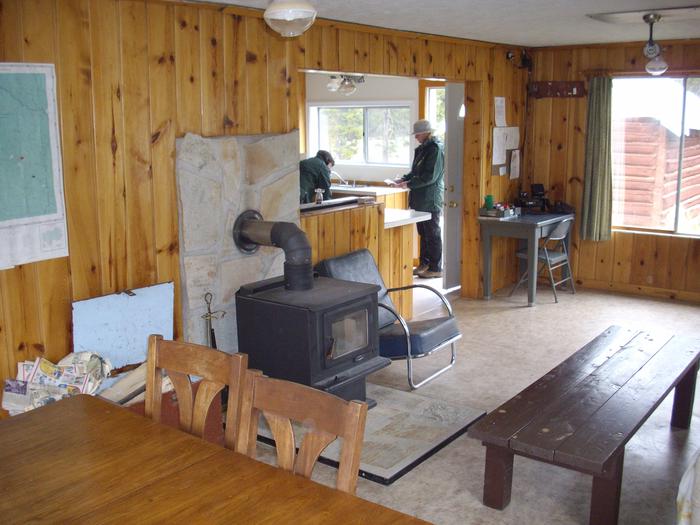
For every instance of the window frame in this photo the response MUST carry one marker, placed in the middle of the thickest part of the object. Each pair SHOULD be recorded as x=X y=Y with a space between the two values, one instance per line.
x=655 y=230
x=313 y=141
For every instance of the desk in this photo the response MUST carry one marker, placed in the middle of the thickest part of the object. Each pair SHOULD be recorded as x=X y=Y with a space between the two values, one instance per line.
x=530 y=227
x=85 y=460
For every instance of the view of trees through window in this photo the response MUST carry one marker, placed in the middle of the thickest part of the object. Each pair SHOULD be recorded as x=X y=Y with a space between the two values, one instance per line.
x=372 y=134
x=656 y=153
x=435 y=110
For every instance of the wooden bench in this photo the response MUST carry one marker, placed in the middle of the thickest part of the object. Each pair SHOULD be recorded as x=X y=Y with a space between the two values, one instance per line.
x=581 y=414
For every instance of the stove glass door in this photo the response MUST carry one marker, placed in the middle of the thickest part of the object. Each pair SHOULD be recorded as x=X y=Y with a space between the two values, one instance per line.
x=349 y=333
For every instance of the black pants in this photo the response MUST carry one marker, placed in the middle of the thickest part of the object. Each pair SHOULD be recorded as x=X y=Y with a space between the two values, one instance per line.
x=431 y=242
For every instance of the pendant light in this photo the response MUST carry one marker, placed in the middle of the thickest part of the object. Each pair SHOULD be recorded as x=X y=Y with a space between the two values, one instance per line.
x=290 y=17
x=656 y=65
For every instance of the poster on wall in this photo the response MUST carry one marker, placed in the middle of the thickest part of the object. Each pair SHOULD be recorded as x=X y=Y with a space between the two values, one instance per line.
x=32 y=208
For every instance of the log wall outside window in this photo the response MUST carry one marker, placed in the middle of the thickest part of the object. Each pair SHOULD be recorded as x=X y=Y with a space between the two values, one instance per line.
x=133 y=75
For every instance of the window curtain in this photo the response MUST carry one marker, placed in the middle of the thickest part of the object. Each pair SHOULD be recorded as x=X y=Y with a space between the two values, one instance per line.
x=596 y=212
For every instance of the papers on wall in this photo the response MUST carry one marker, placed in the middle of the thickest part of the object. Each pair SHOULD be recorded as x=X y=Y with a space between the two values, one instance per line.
x=502 y=170
x=499 y=104
x=512 y=137
x=504 y=139
x=515 y=164
x=32 y=209
x=499 y=146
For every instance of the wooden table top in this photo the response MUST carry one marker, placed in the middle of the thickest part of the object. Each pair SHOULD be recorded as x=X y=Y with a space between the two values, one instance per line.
x=86 y=460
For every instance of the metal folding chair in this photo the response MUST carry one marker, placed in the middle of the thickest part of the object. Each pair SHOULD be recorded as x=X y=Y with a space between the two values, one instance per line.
x=552 y=254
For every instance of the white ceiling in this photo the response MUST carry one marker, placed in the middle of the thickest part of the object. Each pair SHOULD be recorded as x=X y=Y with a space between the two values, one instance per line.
x=530 y=23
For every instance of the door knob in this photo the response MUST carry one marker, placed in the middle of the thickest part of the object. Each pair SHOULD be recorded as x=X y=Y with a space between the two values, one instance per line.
x=452 y=204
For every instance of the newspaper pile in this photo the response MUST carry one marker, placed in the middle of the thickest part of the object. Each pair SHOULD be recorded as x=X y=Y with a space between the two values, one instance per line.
x=41 y=382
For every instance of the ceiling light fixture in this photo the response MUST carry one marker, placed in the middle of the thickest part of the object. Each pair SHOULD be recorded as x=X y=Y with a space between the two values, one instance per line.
x=347 y=86
x=344 y=84
x=333 y=83
x=289 y=17
x=656 y=65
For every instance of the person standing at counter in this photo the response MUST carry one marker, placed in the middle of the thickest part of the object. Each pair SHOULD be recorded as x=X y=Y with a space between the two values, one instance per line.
x=427 y=189
x=315 y=173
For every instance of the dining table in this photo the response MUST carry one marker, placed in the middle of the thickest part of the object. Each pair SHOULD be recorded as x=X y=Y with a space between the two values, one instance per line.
x=86 y=460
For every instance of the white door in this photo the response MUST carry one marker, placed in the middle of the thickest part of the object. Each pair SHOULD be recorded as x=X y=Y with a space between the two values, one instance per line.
x=454 y=155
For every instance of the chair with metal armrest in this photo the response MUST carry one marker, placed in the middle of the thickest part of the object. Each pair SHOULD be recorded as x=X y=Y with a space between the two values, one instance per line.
x=398 y=338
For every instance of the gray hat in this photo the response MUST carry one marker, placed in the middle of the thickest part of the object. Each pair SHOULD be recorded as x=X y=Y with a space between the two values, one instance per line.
x=422 y=126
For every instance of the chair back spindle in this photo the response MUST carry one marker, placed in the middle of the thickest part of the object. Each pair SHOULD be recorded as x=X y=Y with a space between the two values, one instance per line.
x=323 y=417
x=180 y=361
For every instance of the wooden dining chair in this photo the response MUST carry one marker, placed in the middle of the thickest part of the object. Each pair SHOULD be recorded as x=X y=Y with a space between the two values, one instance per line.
x=324 y=418
x=217 y=369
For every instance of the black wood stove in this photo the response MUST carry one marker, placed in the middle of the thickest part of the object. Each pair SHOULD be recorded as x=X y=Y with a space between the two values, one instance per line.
x=316 y=331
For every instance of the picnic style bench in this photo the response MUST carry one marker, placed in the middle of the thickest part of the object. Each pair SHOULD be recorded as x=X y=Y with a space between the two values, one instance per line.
x=581 y=414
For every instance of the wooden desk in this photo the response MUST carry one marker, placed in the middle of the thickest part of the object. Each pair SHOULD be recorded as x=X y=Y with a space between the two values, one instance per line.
x=84 y=460
x=530 y=227
x=581 y=414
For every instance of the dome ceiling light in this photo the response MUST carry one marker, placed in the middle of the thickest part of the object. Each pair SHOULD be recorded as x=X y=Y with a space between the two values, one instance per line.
x=290 y=18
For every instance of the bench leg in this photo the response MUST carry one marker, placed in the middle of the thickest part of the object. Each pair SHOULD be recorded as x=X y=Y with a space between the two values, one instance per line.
x=683 y=399
x=605 y=498
x=498 y=477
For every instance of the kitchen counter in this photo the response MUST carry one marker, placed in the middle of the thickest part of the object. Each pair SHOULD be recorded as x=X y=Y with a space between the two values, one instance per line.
x=372 y=191
x=394 y=217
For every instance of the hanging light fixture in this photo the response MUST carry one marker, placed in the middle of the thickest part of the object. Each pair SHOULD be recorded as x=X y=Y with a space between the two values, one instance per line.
x=656 y=65
x=290 y=17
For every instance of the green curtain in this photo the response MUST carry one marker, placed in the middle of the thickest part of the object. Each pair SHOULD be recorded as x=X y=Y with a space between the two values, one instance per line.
x=596 y=212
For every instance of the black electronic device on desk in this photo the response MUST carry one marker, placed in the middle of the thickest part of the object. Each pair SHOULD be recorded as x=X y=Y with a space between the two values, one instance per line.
x=535 y=203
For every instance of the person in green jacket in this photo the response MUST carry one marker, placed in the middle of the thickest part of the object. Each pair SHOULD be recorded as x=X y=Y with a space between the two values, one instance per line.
x=426 y=182
x=315 y=173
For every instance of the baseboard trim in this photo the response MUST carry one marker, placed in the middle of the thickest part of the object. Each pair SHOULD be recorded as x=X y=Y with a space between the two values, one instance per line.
x=636 y=289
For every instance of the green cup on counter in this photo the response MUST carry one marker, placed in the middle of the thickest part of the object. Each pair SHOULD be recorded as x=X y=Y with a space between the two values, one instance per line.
x=488 y=202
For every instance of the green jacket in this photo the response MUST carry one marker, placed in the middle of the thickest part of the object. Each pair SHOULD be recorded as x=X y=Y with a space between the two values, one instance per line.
x=427 y=177
x=313 y=173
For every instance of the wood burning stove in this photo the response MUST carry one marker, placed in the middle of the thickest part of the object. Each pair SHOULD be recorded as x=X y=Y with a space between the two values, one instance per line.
x=316 y=331
x=325 y=337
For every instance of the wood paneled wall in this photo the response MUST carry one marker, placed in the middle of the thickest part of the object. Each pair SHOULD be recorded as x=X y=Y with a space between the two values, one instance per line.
x=655 y=265
x=132 y=76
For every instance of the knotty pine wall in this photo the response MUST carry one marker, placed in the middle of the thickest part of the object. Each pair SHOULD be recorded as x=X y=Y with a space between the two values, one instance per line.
x=654 y=265
x=134 y=75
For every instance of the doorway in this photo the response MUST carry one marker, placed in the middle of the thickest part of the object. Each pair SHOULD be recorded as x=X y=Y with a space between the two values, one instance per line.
x=442 y=103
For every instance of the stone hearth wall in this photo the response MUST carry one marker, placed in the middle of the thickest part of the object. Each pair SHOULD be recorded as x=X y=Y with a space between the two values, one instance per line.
x=217 y=179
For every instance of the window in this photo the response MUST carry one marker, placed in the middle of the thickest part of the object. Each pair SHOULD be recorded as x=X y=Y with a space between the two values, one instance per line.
x=362 y=134
x=656 y=154
x=435 y=110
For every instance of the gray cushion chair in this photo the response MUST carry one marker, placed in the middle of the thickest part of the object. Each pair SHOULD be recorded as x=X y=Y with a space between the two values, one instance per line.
x=552 y=254
x=398 y=338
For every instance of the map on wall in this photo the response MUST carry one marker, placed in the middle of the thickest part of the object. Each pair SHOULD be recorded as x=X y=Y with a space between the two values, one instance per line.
x=32 y=209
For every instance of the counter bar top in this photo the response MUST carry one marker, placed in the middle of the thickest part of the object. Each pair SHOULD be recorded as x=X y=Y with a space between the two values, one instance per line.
x=372 y=191
x=394 y=217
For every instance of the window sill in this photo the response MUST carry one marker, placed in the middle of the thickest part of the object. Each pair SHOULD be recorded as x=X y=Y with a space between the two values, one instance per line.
x=656 y=233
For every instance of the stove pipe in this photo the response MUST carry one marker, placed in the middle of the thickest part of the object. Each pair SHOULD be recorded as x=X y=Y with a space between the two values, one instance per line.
x=298 y=271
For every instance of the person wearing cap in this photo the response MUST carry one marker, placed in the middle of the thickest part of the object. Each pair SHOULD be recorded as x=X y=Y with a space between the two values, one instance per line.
x=315 y=173
x=427 y=189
